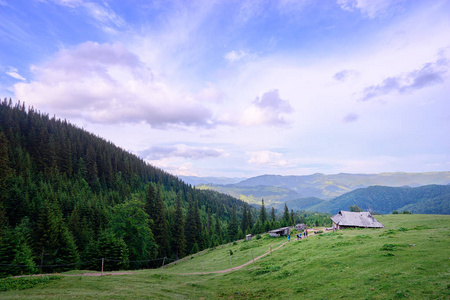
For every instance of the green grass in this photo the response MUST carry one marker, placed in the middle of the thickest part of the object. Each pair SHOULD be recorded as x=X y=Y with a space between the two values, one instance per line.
x=407 y=259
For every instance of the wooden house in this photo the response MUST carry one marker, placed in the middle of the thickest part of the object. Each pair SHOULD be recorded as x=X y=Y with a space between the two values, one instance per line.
x=280 y=231
x=347 y=219
x=300 y=227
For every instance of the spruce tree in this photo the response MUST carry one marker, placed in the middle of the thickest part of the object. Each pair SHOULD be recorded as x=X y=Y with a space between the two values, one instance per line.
x=178 y=230
x=263 y=213
x=160 y=228
x=191 y=225
x=150 y=200
x=244 y=220
x=217 y=230
x=198 y=225
x=233 y=226
x=286 y=216
x=272 y=214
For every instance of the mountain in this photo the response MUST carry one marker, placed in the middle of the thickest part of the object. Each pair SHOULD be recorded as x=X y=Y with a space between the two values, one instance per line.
x=254 y=194
x=429 y=199
x=322 y=186
x=194 y=180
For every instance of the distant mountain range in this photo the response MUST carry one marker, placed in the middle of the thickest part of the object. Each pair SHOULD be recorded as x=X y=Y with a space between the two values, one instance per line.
x=330 y=193
x=428 y=199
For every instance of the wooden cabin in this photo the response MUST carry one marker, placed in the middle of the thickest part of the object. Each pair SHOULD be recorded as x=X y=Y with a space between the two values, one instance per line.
x=280 y=231
x=300 y=227
x=347 y=219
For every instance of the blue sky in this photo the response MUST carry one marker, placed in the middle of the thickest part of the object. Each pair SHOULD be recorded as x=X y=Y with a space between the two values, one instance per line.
x=241 y=88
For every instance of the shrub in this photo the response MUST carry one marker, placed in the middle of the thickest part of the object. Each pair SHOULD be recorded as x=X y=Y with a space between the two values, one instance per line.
x=389 y=247
x=258 y=236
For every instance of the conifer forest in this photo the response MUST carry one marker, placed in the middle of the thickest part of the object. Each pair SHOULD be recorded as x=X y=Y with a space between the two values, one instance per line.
x=69 y=198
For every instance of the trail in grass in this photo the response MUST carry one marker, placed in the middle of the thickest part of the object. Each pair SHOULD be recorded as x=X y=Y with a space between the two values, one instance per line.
x=235 y=268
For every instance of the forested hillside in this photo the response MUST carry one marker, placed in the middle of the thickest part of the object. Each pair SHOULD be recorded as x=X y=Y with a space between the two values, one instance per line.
x=428 y=199
x=68 y=196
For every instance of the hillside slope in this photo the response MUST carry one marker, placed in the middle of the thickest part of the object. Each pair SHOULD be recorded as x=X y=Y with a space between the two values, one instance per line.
x=68 y=195
x=434 y=199
x=407 y=259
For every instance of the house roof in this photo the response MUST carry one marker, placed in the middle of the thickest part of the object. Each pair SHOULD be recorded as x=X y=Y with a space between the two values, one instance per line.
x=279 y=229
x=356 y=219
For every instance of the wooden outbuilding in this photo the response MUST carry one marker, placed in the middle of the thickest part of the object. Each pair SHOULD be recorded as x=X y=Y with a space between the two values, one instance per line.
x=300 y=227
x=347 y=219
x=280 y=231
x=248 y=237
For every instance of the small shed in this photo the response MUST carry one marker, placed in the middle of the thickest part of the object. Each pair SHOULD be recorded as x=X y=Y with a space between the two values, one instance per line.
x=248 y=237
x=280 y=231
x=347 y=219
x=300 y=227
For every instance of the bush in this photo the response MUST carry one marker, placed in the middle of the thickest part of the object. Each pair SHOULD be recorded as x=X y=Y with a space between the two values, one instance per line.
x=388 y=247
x=258 y=236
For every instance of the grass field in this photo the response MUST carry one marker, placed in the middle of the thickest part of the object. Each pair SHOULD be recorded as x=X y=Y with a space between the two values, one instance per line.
x=407 y=259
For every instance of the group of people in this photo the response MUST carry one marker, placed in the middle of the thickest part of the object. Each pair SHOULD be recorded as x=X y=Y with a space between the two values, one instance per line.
x=299 y=235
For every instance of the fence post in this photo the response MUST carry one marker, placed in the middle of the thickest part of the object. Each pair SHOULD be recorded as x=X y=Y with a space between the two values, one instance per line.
x=253 y=257
x=202 y=267
x=230 y=262
x=103 y=263
x=270 y=249
x=162 y=268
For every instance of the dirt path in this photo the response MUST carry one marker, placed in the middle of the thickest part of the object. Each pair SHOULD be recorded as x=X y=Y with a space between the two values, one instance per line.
x=235 y=268
x=129 y=273
x=74 y=275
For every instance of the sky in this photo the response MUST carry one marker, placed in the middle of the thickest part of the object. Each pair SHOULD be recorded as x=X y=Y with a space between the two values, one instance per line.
x=241 y=88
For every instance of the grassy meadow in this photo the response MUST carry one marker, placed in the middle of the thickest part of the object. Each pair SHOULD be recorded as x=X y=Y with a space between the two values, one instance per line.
x=407 y=259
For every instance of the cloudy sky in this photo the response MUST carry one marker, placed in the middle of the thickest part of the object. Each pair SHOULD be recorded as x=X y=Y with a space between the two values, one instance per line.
x=241 y=88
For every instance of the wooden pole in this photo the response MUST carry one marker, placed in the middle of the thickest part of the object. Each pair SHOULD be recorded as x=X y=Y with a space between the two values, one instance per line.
x=230 y=262
x=202 y=267
x=270 y=249
x=253 y=257
x=162 y=268
x=103 y=263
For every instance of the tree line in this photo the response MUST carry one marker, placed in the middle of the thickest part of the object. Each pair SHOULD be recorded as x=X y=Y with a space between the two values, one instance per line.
x=70 y=196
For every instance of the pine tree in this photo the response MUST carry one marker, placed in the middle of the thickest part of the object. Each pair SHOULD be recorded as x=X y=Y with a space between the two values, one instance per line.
x=249 y=220
x=160 y=228
x=244 y=220
x=198 y=225
x=178 y=230
x=217 y=230
x=150 y=200
x=263 y=213
x=233 y=225
x=272 y=214
x=191 y=225
x=286 y=216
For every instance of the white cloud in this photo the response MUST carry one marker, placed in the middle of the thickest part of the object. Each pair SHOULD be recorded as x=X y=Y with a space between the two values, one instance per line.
x=370 y=8
x=102 y=13
x=269 y=109
x=430 y=74
x=234 y=56
x=345 y=75
x=182 y=150
x=106 y=83
x=13 y=72
x=267 y=158
x=351 y=117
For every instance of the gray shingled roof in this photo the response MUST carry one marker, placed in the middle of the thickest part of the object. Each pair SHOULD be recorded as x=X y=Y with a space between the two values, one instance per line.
x=356 y=219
